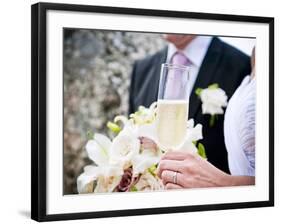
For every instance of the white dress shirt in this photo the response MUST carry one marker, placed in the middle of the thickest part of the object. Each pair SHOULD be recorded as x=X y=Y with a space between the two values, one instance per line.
x=195 y=51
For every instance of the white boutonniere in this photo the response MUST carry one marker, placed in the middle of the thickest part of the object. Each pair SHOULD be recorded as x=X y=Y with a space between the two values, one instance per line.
x=213 y=100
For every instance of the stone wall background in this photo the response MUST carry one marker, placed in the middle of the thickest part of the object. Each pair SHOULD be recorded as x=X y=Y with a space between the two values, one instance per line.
x=97 y=67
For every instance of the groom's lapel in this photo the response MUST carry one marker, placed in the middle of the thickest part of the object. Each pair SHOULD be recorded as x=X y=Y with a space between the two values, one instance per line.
x=154 y=81
x=206 y=75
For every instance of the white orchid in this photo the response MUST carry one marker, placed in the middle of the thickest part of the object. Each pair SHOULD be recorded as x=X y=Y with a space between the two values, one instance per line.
x=140 y=125
x=144 y=115
x=125 y=146
x=146 y=159
x=193 y=134
x=148 y=130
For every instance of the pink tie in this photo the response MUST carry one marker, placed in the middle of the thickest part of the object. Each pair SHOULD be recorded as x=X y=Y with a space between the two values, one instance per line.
x=173 y=90
x=180 y=59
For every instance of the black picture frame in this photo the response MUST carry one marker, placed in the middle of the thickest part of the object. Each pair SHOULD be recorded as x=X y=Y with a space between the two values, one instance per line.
x=39 y=108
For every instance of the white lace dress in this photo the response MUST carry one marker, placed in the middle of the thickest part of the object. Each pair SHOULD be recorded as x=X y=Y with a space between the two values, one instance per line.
x=239 y=129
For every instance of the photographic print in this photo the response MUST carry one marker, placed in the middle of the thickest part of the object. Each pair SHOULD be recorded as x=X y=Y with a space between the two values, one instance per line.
x=113 y=125
x=147 y=111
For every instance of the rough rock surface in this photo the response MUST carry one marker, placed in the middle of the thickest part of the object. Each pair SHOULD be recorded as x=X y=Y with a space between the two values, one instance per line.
x=97 y=67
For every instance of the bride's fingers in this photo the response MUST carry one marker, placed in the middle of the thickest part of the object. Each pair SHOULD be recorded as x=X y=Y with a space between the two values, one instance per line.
x=175 y=155
x=147 y=143
x=172 y=165
x=172 y=177
x=170 y=186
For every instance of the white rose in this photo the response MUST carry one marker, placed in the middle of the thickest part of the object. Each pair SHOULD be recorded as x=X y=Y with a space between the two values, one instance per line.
x=213 y=99
x=149 y=182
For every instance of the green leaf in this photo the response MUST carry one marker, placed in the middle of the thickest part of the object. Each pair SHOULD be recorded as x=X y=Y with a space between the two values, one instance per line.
x=212 y=120
x=133 y=189
x=90 y=135
x=213 y=86
x=201 y=151
x=113 y=127
x=198 y=91
x=152 y=169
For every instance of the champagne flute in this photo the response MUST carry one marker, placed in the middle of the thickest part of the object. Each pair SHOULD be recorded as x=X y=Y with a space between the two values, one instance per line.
x=172 y=106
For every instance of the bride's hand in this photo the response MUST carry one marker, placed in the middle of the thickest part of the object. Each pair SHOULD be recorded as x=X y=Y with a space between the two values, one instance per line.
x=147 y=143
x=188 y=170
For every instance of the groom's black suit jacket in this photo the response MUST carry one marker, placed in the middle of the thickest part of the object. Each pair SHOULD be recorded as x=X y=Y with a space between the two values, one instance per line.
x=223 y=64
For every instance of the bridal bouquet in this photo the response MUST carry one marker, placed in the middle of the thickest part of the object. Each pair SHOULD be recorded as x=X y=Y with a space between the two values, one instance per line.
x=126 y=164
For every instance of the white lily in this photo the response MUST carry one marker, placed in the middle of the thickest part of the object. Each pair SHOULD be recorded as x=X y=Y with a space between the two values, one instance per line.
x=85 y=182
x=107 y=175
x=98 y=149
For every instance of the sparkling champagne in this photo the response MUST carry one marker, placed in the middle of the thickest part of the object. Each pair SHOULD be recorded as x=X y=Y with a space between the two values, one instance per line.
x=171 y=121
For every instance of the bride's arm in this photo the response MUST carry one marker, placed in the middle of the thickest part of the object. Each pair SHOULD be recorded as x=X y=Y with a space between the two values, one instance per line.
x=239 y=180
